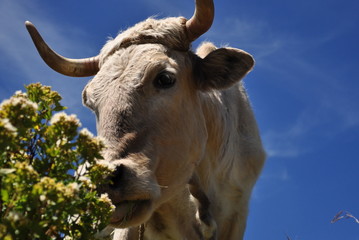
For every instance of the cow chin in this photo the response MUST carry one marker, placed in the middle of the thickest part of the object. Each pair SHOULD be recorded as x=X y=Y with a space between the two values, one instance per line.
x=131 y=213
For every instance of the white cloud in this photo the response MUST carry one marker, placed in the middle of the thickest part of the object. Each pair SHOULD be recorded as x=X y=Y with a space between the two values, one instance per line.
x=291 y=141
x=317 y=124
x=165 y=8
x=272 y=179
x=246 y=33
x=19 y=53
x=16 y=44
x=281 y=144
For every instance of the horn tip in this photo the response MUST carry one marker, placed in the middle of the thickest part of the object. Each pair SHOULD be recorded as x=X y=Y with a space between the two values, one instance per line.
x=28 y=23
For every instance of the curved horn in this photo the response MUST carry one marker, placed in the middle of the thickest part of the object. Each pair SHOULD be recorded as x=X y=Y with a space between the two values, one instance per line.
x=201 y=20
x=71 y=67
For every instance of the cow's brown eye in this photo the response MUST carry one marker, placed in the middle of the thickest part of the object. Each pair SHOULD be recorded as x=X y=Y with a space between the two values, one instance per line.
x=164 y=80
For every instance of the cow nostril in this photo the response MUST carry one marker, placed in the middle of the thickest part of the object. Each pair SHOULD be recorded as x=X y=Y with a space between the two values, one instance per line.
x=124 y=154
x=117 y=176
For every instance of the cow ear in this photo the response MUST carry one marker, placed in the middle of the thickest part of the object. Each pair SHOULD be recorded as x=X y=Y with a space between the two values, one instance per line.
x=222 y=68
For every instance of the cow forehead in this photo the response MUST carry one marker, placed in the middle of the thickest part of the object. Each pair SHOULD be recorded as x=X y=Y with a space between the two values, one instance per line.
x=130 y=68
x=170 y=32
x=133 y=50
x=129 y=65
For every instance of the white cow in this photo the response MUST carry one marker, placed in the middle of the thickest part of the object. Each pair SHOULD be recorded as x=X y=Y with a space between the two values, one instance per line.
x=178 y=127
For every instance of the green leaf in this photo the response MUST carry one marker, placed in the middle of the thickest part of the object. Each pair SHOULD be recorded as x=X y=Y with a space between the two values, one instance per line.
x=4 y=195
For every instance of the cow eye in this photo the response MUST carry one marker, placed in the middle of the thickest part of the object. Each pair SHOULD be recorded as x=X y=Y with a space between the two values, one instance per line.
x=164 y=80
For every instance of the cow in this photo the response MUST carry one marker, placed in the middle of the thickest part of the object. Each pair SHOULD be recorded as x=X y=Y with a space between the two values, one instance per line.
x=178 y=127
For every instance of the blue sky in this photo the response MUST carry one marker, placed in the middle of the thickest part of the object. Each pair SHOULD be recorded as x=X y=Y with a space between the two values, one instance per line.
x=304 y=91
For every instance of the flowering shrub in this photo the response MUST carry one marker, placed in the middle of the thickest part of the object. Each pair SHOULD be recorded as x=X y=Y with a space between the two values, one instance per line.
x=41 y=151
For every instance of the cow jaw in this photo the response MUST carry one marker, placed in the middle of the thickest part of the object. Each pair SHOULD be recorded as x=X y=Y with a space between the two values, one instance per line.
x=130 y=213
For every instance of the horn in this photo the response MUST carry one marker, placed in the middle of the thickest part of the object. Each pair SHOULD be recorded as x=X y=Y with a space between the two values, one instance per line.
x=71 y=67
x=201 y=20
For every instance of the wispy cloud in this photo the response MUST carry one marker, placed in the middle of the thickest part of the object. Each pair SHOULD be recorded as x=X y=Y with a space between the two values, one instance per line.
x=272 y=179
x=318 y=82
x=16 y=44
x=280 y=174
x=21 y=62
x=328 y=106
x=253 y=35
x=164 y=8
x=288 y=141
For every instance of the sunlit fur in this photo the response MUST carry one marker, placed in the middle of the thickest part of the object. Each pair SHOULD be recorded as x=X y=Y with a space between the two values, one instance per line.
x=160 y=138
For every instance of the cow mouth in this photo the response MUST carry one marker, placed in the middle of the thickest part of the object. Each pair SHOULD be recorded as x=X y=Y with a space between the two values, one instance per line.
x=129 y=213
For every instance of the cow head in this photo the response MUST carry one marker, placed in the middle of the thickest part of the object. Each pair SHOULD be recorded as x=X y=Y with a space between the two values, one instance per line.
x=146 y=95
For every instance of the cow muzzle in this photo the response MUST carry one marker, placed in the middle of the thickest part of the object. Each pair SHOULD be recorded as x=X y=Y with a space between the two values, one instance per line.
x=133 y=191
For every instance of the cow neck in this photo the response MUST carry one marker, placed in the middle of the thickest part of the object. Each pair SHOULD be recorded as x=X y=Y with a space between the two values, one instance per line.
x=216 y=115
x=175 y=217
